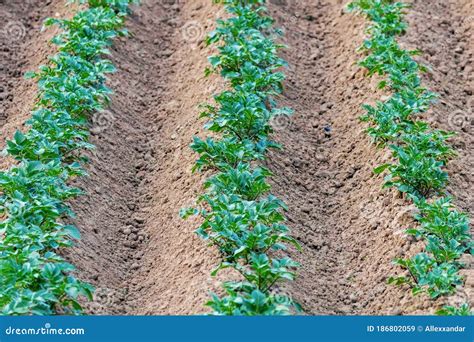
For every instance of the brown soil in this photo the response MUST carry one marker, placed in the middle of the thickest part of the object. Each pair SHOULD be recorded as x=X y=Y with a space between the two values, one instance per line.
x=444 y=31
x=144 y=259
x=135 y=247
x=349 y=227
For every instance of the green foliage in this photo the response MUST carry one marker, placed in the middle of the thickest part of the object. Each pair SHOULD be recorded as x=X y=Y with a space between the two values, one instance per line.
x=34 y=278
x=238 y=214
x=419 y=153
x=446 y=229
x=448 y=310
x=244 y=299
x=386 y=16
x=426 y=275
x=121 y=7
x=421 y=157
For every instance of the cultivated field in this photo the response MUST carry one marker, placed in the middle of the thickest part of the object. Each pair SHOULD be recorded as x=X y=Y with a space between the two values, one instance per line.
x=339 y=225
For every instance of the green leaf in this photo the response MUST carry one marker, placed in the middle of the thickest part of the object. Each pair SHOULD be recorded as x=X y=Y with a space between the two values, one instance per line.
x=379 y=169
x=73 y=232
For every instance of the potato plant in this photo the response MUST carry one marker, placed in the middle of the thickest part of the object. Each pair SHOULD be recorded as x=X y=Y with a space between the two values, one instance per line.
x=34 y=278
x=420 y=154
x=239 y=215
x=449 y=310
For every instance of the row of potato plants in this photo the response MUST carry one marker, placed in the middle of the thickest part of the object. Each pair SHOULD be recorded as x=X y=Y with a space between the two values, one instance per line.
x=239 y=215
x=34 y=278
x=420 y=154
